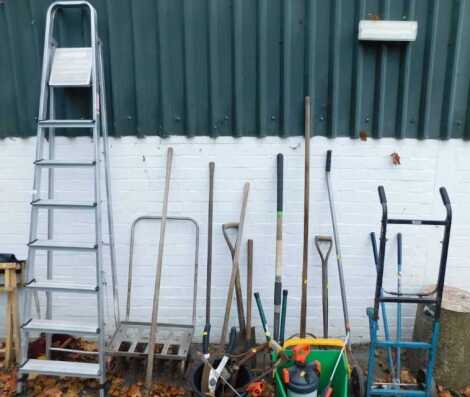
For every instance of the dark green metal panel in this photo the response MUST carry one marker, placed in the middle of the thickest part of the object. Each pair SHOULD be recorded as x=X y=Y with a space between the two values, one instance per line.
x=243 y=67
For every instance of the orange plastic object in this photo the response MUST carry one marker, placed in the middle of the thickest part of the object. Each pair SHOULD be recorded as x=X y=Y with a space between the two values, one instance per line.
x=300 y=353
x=256 y=389
x=285 y=376
x=328 y=392
x=317 y=367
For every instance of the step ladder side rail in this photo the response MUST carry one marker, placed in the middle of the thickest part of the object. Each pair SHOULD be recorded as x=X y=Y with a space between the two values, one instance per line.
x=42 y=112
x=50 y=215
x=47 y=124
x=107 y=170
x=95 y=77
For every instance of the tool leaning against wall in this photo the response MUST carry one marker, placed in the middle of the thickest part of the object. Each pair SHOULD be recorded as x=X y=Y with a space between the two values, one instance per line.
x=235 y=273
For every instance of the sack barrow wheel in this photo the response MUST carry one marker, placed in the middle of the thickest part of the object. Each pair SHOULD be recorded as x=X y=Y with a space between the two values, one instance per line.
x=357 y=382
x=421 y=380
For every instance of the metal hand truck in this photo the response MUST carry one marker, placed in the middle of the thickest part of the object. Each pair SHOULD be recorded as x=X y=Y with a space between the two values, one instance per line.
x=432 y=299
x=131 y=338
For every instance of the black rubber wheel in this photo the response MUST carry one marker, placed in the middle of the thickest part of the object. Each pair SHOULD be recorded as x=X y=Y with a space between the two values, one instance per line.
x=421 y=380
x=357 y=382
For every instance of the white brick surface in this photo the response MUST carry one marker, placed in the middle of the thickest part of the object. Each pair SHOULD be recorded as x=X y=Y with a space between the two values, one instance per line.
x=358 y=167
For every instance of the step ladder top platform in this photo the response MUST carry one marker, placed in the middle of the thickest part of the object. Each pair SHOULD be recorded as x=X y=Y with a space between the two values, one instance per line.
x=61 y=368
x=71 y=67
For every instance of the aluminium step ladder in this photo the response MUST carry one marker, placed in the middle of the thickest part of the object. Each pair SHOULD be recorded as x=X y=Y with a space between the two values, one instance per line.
x=64 y=68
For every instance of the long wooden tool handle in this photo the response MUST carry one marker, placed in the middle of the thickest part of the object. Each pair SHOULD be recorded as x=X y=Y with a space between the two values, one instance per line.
x=235 y=267
x=209 y=242
x=279 y=246
x=303 y=302
x=158 y=276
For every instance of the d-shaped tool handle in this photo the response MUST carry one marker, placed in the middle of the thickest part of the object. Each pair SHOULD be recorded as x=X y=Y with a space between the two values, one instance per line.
x=225 y=228
x=319 y=241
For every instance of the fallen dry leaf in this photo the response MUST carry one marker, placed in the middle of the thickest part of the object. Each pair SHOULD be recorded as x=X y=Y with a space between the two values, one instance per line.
x=407 y=377
x=134 y=391
x=74 y=389
x=395 y=158
x=466 y=391
x=445 y=393
x=52 y=392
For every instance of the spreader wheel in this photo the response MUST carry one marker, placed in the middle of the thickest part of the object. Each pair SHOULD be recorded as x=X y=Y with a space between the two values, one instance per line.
x=357 y=382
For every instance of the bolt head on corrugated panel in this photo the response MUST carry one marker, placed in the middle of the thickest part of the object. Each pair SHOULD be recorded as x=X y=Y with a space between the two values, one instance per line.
x=71 y=67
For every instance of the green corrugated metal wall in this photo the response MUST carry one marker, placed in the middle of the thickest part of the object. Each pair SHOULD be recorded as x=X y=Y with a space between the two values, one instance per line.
x=242 y=67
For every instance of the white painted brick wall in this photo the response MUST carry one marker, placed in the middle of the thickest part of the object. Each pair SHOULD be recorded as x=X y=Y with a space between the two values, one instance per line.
x=358 y=167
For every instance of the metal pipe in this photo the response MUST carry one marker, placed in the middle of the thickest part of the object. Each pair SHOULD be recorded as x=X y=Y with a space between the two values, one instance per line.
x=399 y=267
x=339 y=256
x=383 y=309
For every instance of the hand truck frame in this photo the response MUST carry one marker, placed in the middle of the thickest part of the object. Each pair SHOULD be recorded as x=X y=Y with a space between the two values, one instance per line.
x=433 y=298
x=131 y=338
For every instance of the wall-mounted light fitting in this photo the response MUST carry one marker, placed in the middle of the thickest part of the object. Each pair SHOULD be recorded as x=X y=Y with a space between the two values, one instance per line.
x=388 y=30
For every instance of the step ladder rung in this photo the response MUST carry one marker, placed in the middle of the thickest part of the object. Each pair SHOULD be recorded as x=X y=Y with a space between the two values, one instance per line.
x=61 y=246
x=45 y=203
x=62 y=327
x=64 y=163
x=61 y=286
x=66 y=123
x=60 y=368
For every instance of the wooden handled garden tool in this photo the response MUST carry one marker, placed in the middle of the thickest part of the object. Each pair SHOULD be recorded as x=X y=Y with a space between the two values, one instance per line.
x=235 y=275
x=207 y=327
x=279 y=250
x=320 y=243
x=303 y=302
x=158 y=276
x=249 y=333
x=210 y=217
